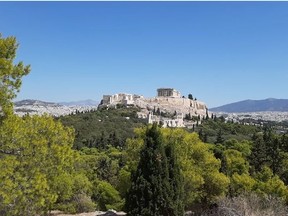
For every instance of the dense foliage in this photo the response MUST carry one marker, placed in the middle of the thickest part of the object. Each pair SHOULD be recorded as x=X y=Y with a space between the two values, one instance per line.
x=111 y=159
x=36 y=155
x=213 y=130
x=101 y=128
x=10 y=73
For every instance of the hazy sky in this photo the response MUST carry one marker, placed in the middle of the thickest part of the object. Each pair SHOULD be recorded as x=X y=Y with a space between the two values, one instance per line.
x=221 y=52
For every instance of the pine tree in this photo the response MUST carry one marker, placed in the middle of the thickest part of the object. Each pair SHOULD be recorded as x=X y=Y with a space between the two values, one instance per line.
x=219 y=139
x=190 y=96
x=200 y=133
x=156 y=184
x=10 y=74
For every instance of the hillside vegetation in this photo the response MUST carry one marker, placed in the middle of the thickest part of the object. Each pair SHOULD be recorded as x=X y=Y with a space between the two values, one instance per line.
x=103 y=127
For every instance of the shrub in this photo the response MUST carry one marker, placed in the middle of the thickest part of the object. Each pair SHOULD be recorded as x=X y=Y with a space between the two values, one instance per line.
x=248 y=205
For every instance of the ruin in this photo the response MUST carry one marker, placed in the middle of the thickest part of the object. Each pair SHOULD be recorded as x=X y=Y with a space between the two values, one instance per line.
x=166 y=122
x=168 y=92
x=121 y=98
x=168 y=101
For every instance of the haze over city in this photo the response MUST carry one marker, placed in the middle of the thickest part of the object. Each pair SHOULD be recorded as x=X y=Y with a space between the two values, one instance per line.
x=221 y=52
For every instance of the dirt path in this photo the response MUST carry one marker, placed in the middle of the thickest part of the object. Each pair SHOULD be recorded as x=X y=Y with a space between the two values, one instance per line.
x=58 y=213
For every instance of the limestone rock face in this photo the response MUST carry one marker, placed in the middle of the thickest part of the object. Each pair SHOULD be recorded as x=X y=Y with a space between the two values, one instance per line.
x=172 y=105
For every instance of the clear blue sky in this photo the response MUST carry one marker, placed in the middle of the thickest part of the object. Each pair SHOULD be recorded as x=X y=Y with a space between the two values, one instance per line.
x=221 y=52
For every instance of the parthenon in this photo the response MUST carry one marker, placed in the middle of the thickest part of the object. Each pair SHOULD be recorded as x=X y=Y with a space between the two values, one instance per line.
x=168 y=92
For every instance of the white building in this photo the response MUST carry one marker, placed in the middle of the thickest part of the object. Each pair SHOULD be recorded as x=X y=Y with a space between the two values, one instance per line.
x=166 y=122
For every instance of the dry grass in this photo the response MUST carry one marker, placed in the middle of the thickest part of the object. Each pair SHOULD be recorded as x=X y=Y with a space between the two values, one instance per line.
x=249 y=205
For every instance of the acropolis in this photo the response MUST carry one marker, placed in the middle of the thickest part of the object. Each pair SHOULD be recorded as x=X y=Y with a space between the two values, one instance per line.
x=168 y=100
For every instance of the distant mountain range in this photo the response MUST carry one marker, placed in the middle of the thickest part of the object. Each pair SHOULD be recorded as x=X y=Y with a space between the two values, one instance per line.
x=270 y=104
x=44 y=103
x=30 y=102
x=80 y=103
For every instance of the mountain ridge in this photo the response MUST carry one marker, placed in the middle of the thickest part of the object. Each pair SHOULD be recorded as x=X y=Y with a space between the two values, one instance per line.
x=249 y=105
x=35 y=102
x=87 y=102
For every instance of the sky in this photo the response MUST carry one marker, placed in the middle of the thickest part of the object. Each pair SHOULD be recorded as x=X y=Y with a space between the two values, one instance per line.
x=220 y=52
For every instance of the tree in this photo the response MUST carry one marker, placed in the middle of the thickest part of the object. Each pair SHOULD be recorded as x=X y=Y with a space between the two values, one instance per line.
x=34 y=152
x=235 y=162
x=107 y=196
x=258 y=156
x=219 y=138
x=203 y=182
x=158 y=112
x=190 y=96
x=156 y=186
x=271 y=184
x=241 y=184
x=10 y=74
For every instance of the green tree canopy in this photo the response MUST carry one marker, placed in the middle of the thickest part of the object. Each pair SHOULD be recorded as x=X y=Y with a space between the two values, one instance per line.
x=37 y=162
x=10 y=74
x=156 y=184
x=34 y=152
x=190 y=96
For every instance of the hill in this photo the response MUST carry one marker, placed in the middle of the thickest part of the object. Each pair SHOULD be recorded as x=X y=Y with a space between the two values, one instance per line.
x=270 y=104
x=38 y=107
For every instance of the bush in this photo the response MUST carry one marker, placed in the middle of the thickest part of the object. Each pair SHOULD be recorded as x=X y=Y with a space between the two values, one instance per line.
x=247 y=205
x=106 y=196
x=78 y=204
x=83 y=203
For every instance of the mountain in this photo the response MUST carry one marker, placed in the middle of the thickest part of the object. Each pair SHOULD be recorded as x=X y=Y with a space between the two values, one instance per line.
x=30 y=102
x=270 y=104
x=80 y=103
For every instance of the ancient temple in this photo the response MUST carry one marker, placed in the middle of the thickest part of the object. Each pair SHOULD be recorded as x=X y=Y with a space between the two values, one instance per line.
x=168 y=92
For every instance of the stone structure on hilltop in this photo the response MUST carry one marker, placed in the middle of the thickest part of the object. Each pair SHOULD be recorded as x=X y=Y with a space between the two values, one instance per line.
x=168 y=92
x=121 y=98
x=168 y=101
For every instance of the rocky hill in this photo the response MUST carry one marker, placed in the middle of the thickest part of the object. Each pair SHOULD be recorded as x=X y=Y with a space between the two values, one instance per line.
x=270 y=104
x=168 y=100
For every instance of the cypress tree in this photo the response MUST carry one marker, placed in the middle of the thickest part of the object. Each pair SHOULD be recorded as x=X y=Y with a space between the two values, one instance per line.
x=258 y=157
x=219 y=139
x=175 y=182
x=156 y=187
